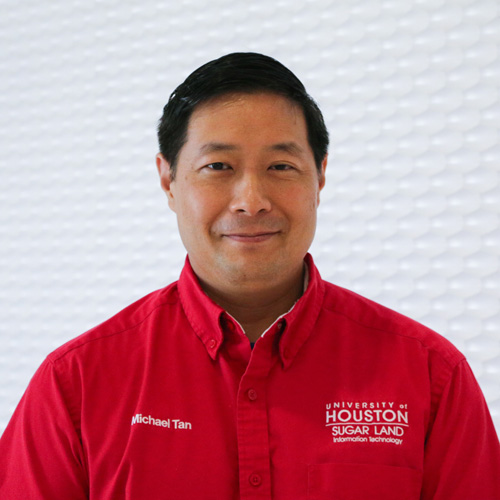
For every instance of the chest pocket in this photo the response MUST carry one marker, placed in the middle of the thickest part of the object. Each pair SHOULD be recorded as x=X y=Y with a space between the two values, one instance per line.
x=337 y=481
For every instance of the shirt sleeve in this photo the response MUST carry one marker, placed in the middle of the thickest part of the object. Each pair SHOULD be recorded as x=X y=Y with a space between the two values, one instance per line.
x=462 y=453
x=41 y=454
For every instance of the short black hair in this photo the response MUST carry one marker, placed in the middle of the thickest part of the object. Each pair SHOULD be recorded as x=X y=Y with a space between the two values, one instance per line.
x=239 y=72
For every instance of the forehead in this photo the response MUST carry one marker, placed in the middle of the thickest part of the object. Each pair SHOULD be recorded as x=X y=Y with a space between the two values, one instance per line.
x=237 y=113
x=257 y=98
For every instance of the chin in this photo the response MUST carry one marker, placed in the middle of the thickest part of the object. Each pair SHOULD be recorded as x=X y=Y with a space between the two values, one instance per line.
x=253 y=268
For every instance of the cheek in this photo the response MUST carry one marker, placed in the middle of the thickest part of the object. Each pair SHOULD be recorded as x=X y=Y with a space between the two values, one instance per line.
x=305 y=203
x=199 y=208
x=305 y=213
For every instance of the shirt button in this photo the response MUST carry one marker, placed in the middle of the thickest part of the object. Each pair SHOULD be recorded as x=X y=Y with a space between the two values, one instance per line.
x=212 y=343
x=255 y=479
x=280 y=326
x=252 y=394
x=230 y=326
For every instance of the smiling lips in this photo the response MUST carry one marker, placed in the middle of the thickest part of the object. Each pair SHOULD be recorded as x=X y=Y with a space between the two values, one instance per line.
x=251 y=237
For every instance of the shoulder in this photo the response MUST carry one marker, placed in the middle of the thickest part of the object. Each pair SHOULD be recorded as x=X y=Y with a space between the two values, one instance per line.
x=387 y=325
x=129 y=322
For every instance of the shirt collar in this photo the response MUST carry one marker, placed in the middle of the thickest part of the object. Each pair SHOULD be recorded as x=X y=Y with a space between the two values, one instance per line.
x=209 y=321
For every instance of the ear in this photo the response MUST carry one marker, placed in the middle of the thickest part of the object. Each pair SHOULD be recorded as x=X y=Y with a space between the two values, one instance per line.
x=321 y=175
x=166 y=181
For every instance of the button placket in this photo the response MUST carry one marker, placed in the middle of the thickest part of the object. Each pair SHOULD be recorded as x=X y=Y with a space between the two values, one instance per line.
x=253 y=424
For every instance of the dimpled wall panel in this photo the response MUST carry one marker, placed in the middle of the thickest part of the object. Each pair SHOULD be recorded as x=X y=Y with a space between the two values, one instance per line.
x=410 y=213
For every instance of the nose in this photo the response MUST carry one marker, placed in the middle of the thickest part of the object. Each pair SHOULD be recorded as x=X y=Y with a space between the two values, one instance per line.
x=250 y=195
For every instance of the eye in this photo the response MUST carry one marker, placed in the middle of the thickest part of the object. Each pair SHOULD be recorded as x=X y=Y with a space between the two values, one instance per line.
x=281 y=167
x=218 y=165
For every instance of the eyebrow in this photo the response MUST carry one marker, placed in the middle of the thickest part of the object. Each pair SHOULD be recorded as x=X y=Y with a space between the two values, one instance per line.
x=287 y=147
x=212 y=147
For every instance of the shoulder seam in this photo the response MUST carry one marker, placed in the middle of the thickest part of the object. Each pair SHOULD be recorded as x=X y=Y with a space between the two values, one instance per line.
x=135 y=325
x=336 y=311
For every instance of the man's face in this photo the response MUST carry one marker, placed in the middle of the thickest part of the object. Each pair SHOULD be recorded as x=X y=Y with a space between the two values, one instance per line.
x=246 y=190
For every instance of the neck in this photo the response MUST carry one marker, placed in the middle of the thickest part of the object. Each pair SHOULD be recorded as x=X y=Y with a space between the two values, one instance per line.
x=257 y=307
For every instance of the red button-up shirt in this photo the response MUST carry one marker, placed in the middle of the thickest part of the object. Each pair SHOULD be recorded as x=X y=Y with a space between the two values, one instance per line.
x=340 y=399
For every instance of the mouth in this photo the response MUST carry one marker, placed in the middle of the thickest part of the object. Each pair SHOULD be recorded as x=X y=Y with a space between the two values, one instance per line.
x=251 y=237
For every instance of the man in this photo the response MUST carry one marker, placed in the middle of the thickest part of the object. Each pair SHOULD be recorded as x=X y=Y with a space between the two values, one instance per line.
x=250 y=377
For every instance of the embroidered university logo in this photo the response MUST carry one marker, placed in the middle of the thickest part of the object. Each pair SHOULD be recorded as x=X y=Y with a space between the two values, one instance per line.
x=367 y=421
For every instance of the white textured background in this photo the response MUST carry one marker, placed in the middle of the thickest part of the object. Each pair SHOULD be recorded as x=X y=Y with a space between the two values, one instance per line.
x=410 y=213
